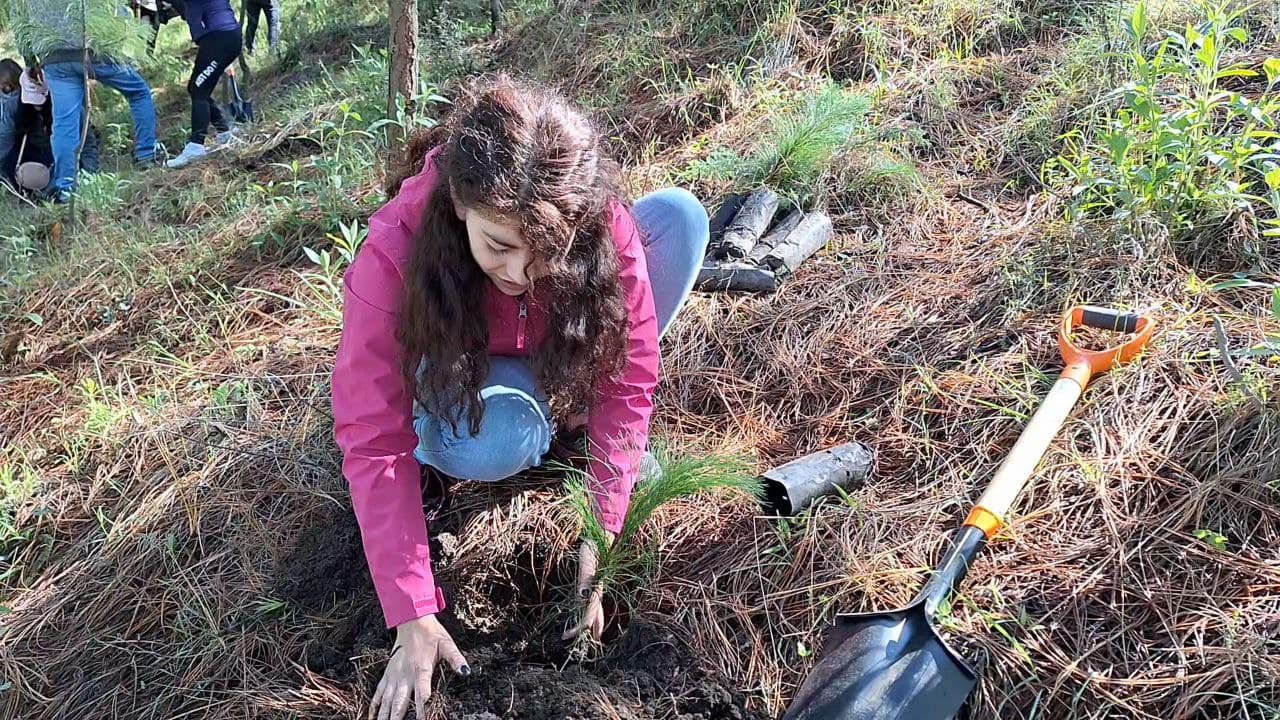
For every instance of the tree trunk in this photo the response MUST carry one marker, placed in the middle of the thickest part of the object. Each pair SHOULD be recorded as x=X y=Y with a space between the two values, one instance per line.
x=402 y=80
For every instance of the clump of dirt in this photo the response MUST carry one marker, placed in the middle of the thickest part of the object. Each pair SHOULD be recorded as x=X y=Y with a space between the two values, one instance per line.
x=1089 y=338
x=646 y=675
x=520 y=667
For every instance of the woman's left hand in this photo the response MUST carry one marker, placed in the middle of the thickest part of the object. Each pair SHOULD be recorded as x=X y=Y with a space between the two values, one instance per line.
x=590 y=592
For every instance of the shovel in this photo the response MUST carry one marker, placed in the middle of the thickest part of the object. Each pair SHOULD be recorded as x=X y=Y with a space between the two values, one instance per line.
x=241 y=110
x=894 y=665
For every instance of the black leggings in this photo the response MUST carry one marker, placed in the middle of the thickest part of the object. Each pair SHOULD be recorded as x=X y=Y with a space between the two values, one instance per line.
x=217 y=51
x=254 y=8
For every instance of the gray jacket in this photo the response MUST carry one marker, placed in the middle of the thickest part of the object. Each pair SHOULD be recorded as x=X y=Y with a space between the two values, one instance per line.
x=61 y=28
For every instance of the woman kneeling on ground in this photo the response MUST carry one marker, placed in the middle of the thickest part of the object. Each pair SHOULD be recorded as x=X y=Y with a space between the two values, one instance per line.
x=506 y=293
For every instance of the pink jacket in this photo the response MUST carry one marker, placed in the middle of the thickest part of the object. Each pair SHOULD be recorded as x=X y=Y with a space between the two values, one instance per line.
x=372 y=408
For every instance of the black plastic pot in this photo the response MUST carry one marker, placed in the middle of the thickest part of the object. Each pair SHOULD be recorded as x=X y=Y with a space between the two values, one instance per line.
x=790 y=488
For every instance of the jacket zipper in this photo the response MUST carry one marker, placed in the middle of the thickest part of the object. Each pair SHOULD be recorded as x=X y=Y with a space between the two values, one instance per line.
x=524 y=315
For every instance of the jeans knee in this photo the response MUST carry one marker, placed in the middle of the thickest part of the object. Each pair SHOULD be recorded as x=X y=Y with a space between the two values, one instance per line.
x=680 y=212
x=514 y=435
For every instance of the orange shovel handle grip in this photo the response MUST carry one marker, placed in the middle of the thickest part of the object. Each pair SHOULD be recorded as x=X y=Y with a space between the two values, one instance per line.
x=1082 y=365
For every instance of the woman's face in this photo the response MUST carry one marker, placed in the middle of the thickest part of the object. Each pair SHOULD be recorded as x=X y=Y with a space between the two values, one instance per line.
x=500 y=251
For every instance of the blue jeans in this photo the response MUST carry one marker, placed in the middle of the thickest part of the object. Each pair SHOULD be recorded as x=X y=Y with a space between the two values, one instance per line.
x=66 y=89
x=516 y=429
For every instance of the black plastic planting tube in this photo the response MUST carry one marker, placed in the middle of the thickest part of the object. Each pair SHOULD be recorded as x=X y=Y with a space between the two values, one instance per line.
x=735 y=277
x=748 y=225
x=790 y=488
x=776 y=236
x=729 y=208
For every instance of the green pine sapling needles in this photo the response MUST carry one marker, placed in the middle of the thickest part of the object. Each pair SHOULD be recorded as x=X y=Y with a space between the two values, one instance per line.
x=628 y=561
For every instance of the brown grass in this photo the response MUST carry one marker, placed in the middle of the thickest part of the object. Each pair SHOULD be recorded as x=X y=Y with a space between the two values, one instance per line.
x=925 y=331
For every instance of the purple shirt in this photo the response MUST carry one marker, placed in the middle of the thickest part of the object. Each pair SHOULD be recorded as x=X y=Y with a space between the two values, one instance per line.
x=207 y=16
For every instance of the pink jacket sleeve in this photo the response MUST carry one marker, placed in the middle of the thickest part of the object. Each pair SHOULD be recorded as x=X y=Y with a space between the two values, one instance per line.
x=618 y=427
x=372 y=412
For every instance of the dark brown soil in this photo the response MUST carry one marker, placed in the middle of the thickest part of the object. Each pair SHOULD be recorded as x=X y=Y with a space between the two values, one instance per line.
x=520 y=670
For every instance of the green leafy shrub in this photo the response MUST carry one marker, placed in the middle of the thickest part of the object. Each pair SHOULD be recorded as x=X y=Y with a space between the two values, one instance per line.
x=1183 y=150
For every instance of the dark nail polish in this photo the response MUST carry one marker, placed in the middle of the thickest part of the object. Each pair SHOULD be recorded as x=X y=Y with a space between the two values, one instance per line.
x=465 y=671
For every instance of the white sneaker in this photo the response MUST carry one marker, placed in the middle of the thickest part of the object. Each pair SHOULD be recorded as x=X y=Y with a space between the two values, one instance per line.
x=228 y=137
x=190 y=154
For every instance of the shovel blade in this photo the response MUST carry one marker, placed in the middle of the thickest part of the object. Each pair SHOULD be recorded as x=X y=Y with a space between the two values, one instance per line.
x=885 y=666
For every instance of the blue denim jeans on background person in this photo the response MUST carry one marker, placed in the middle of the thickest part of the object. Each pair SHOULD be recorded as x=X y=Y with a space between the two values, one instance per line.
x=66 y=88
x=515 y=432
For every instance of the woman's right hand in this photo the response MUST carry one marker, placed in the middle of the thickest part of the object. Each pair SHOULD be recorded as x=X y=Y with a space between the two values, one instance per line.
x=420 y=644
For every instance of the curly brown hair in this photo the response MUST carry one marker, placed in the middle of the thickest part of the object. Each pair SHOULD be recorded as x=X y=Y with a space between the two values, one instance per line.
x=517 y=151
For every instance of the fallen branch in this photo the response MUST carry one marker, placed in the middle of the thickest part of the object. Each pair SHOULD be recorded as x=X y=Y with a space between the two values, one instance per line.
x=1225 y=351
x=18 y=195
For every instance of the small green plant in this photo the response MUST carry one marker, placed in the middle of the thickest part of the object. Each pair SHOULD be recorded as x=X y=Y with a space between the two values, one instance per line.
x=17 y=249
x=104 y=411
x=326 y=284
x=270 y=606
x=1212 y=538
x=323 y=287
x=627 y=562
x=103 y=193
x=1269 y=346
x=798 y=152
x=1182 y=150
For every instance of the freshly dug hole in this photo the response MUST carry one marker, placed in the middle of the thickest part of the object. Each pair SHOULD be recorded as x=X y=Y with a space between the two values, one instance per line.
x=506 y=618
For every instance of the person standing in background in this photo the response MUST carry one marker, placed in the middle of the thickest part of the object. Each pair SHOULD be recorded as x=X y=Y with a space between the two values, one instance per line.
x=60 y=38
x=148 y=12
x=253 y=9
x=155 y=13
x=216 y=33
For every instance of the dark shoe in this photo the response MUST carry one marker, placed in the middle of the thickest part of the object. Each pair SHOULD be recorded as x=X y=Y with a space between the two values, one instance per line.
x=437 y=492
x=569 y=445
x=157 y=158
x=57 y=197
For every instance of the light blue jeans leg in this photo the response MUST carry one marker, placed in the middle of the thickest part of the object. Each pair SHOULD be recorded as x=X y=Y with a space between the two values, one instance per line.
x=514 y=434
x=66 y=89
x=676 y=231
x=516 y=429
x=135 y=89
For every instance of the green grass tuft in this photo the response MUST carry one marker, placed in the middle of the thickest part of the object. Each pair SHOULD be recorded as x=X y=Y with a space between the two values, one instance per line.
x=798 y=152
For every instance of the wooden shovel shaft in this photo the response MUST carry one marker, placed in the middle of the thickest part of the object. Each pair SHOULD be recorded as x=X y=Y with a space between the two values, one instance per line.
x=1081 y=366
x=1021 y=462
